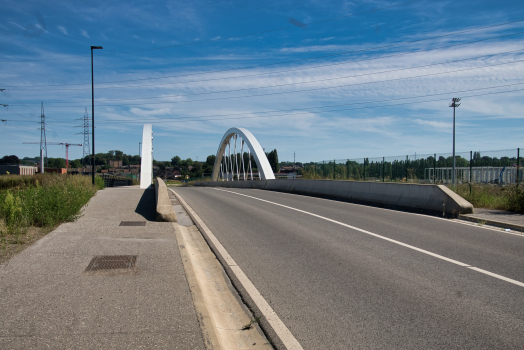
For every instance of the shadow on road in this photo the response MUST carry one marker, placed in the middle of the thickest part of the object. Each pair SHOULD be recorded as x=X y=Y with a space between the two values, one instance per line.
x=147 y=205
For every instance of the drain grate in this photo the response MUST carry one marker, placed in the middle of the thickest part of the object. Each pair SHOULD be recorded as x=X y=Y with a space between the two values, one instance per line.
x=132 y=223
x=111 y=265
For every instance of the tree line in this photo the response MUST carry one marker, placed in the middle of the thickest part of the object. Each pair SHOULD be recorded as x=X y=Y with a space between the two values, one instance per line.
x=400 y=168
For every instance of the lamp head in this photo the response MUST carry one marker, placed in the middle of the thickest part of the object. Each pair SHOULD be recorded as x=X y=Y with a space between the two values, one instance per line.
x=96 y=47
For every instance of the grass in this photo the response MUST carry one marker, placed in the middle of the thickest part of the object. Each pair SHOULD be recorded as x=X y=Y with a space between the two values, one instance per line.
x=490 y=196
x=32 y=206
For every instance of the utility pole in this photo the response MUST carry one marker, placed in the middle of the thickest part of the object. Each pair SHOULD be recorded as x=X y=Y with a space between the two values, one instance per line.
x=86 y=132
x=43 y=141
x=454 y=104
x=93 y=111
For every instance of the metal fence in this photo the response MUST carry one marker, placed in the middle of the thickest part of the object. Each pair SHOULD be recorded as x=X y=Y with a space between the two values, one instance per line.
x=502 y=166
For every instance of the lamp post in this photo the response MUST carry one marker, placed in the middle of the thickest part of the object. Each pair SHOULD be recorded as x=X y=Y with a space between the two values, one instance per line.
x=454 y=104
x=93 y=111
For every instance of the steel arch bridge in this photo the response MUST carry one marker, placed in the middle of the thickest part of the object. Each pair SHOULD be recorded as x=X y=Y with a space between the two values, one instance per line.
x=227 y=164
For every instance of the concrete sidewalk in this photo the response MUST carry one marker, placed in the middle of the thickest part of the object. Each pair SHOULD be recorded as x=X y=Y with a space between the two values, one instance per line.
x=47 y=300
x=500 y=218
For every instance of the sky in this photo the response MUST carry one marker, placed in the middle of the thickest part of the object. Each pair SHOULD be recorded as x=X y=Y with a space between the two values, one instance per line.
x=321 y=79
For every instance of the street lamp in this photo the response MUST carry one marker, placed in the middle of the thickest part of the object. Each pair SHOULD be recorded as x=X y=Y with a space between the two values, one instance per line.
x=93 y=111
x=454 y=104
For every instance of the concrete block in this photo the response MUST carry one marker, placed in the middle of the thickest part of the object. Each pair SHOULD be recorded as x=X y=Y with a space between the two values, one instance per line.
x=435 y=199
x=164 y=209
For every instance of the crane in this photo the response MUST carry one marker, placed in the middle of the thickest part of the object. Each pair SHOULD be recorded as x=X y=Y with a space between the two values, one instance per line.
x=61 y=144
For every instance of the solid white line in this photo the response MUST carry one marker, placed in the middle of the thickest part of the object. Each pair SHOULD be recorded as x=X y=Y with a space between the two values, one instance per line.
x=497 y=276
x=456 y=221
x=289 y=341
x=384 y=238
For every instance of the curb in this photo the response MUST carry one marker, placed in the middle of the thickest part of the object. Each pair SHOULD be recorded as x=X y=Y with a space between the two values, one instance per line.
x=276 y=332
x=500 y=224
x=164 y=209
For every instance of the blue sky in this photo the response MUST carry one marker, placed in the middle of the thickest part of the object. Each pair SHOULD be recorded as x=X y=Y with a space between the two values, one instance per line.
x=350 y=83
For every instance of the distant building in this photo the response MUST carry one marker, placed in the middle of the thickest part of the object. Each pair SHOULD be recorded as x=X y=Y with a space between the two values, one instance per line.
x=55 y=170
x=115 y=163
x=17 y=169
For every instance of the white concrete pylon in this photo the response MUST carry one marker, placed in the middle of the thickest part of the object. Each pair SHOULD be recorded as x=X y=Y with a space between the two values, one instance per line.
x=264 y=168
x=146 y=167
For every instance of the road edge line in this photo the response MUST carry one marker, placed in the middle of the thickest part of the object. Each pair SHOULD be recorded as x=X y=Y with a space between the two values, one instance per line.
x=273 y=320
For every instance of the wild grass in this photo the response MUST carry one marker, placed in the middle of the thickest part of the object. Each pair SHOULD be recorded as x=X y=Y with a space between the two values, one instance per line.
x=489 y=196
x=42 y=201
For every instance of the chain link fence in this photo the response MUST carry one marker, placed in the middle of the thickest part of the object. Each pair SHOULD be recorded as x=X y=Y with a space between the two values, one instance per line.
x=502 y=166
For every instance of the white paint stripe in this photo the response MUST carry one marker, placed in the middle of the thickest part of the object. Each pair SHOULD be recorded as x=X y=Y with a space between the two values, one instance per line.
x=386 y=239
x=497 y=276
x=289 y=341
x=354 y=228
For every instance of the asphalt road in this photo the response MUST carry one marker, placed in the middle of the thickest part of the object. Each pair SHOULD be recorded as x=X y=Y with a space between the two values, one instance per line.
x=339 y=287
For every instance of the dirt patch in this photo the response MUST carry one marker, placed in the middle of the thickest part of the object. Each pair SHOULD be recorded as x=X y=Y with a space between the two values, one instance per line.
x=15 y=243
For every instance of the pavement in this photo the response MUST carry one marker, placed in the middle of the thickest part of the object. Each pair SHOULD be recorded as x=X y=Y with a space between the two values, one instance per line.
x=500 y=218
x=347 y=276
x=49 y=300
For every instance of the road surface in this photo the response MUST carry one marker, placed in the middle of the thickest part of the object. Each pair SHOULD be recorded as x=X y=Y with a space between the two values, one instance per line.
x=346 y=276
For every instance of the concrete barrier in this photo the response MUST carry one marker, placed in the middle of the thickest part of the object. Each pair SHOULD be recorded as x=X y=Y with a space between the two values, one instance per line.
x=164 y=209
x=435 y=199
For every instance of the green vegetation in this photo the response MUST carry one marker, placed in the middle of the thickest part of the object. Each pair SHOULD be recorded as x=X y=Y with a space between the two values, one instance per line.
x=398 y=169
x=489 y=196
x=41 y=201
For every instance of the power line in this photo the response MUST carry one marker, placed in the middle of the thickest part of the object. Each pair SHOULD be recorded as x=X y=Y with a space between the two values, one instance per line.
x=294 y=61
x=304 y=90
x=224 y=39
x=213 y=117
x=347 y=109
x=306 y=82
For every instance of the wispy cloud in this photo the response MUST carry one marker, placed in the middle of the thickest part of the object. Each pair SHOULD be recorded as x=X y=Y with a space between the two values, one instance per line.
x=63 y=30
x=84 y=33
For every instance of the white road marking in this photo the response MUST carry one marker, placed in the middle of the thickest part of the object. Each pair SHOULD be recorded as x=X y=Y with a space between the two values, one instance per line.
x=520 y=284
x=289 y=341
x=456 y=221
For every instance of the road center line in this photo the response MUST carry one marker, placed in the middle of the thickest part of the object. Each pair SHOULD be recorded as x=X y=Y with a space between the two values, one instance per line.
x=384 y=238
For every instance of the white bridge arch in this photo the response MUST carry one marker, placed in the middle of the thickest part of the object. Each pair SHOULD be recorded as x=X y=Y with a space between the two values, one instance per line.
x=225 y=164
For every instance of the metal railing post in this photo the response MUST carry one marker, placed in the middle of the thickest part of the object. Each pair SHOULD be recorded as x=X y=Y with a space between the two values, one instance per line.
x=383 y=170
x=518 y=167
x=470 y=169
x=435 y=168
x=364 y=169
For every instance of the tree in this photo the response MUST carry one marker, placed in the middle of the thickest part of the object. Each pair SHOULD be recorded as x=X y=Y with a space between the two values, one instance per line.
x=272 y=157
x=56 y=163
x=75 y=164
x=211 y=160
x=176 y=161
x=10 y=160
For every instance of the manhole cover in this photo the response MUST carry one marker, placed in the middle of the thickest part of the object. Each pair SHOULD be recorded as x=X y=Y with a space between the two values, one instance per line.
x=112 y=265
x=132 y=223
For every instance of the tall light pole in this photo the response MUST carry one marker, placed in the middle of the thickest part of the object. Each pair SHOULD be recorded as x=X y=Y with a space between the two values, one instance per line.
x=454 y=104
x=93 y=111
